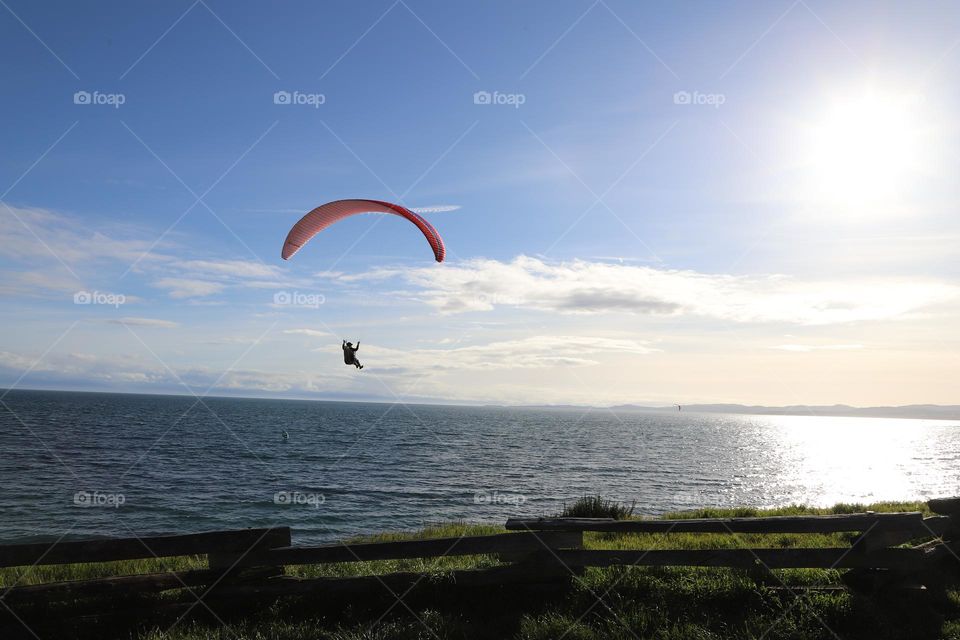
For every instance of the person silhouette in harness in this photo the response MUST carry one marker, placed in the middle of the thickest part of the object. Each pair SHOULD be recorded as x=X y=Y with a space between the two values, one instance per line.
x=350 y=354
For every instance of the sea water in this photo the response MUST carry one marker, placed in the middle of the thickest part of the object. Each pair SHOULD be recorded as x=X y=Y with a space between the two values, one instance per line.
x=78 y=465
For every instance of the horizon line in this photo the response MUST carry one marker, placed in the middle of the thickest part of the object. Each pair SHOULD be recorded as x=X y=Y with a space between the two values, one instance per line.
x=439 y=403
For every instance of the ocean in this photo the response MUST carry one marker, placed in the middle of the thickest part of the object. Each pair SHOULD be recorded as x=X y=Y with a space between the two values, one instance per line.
x=80 y=465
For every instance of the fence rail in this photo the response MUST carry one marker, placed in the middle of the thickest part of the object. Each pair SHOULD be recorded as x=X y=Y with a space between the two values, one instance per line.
x=536 y=551
x=874 y=522
x=114 y=549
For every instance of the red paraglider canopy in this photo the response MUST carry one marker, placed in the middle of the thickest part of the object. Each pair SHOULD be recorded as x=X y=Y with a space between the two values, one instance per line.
x=325 y=215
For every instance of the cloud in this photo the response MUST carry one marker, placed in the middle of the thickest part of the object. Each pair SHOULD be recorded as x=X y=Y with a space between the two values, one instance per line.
x=806 y=348
x=232 y=268
x=144 y=372
x=57 y=253
x=36 y=283
x=82 y=367
x=187 y=288
x=439 y=208
x=329 y=275
x=307 y=332
x=525 y=353
x=146 y=322
x=219 y=275
x=267 y=210
x=17 y=361
x=40 y=236
x=585 y=287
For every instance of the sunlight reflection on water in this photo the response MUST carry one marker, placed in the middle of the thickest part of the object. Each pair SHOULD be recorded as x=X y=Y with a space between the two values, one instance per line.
x=858 y=459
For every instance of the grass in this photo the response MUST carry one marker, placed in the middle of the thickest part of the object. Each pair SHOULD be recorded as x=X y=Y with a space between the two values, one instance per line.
x=22 y=576
x=436 y=566
x=597 y=507
x=617 y=602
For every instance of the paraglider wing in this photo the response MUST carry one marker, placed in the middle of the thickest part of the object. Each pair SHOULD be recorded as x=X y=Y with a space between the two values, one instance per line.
x=325 y=215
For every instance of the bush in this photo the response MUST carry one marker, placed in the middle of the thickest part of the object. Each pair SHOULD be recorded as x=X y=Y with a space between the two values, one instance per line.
x=597 y=507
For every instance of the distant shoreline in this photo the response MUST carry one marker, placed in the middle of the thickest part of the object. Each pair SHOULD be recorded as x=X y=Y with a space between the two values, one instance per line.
x=915 y=411
x=912 y=411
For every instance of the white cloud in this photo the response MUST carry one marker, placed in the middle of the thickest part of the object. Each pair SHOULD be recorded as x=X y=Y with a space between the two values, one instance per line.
x=83 y=366
x=329 y=275
x=42 y=242
x=143 y=371
x=35 y=283
x=307 y=332
x=40 y=236
x=146 y=322
x=524 y=353
x=583 y=287
x=227 y=340
x=17 y=361
x=187 y=288
x=806 y=348
x=232 y=268
x=439 y=208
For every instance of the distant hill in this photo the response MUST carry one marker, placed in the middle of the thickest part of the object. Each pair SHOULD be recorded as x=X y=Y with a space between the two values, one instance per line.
x=930 y=411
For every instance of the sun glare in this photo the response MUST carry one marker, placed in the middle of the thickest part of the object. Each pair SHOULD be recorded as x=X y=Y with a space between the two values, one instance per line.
x=865 y=149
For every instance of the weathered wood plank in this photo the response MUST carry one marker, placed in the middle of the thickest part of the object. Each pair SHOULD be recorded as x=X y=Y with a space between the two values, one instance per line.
x=127 y=585
x=507 y=543
x=909 y=521
x=945 y=506
x=838 y=558
x=939 y=525
x=395 y=582
x=872 y=541
x=137 y=548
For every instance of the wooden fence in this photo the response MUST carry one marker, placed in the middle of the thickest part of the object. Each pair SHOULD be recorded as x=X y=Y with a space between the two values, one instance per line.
x=542 y=551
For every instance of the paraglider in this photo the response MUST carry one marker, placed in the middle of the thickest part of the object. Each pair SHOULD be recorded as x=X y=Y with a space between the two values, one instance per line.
x=350 y=354
x=327 y=214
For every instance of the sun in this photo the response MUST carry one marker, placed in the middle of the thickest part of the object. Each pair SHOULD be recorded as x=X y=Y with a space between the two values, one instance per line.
x=865 y=148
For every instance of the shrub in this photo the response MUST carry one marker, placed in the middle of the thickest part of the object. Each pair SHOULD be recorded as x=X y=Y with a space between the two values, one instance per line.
x=598 y=507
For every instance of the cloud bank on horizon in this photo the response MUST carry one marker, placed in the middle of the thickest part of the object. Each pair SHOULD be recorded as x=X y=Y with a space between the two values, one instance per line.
x=705 y=231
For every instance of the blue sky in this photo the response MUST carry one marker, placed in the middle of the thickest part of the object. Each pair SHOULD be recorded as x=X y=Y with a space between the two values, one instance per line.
x=745 y=202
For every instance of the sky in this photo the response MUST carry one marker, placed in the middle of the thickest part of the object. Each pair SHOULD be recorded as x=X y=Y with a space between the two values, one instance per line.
x=651 y=203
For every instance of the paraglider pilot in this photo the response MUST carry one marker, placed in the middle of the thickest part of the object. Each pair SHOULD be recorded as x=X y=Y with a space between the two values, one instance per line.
x=350 y=354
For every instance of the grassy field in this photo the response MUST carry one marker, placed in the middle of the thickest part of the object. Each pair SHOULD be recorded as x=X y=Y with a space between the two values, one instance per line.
x=627 y=603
